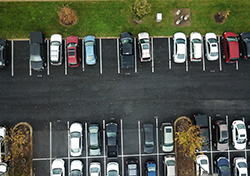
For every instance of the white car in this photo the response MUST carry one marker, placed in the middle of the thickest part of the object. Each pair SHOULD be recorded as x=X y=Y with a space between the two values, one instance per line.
x=76 y=168
x=169 y=161
x=57 y=168
x=3 y=168
x=112 y=169
x=75 y=131
x=95 y=169
x=56 y=49
x=239 y=134
x=211 y=44
x=167 y=137
x=202 y=164
x=180 y=45
x=2 y=134
x=196 y=46
x=240 y=166
x=144 y=47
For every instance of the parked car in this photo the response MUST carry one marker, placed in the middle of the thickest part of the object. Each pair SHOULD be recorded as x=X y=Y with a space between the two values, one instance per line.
x=76 y=168
x=221 y=135
x=95 y=169
x=196 y=46
x=240 y=166
x=127 y=50
x=180 y=45
x=132 y=167
x=94 y=140
x=37 y=51
x=90 y=50
x=2 y=134
x=112 y=169
x=202 y=165
x=211 y=44
x=144 y=47
x=245 y=44
x=3 y=168
x=148 y=138
x=3 y=61
x=56 y=49
x=151 y=168
x=112 y=140
x=239 y=134
x=223 y=166
x=57 y=168
x=75 y=131
x=169 y=161
x=73 y=55
x=167 y=134
x=230 y=43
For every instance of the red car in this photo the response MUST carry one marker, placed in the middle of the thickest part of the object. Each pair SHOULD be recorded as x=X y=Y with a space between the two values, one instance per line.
x=72 y=43
x=230 y=47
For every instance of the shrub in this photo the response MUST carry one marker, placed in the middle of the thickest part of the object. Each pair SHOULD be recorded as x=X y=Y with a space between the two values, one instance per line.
x=67 y=16
x=140 y=9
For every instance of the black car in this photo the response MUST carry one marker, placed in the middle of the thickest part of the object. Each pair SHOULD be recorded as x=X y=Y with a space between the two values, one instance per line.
x=245 y=44
x=37 y=51
x=132 y=167
x=3 y=45
x=111 y=140
x=149 y=143
x=127 y=50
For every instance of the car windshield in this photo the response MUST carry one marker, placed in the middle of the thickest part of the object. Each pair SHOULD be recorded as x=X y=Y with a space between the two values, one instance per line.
x=170 y=162
x=180 y=41
x=90 y=43
x=168 y=144
x=224 y=169
x=212 y=40
x=242 y=165
x=94 y=170
x=203 y=161
x=196 y=40
x=214 y=54
x=57 y=171
x=126 y=40
x=1 y=139
x=75 y=173
x=246 y=39
x=144 y=41
x=240 y=126
x=151 y=169
x=241 y=141
x=112 y=173
x=111 y=134
x=180 y=56
x=1 y=47
x=55 y=43
x=71 y=45
x=75 y=135
x=35 y=58
x=232 y=39
x=90 y=57
x=149 y=144
x=223 y=141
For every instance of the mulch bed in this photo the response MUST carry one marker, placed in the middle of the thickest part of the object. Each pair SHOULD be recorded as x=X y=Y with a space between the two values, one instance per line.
x=219 y=17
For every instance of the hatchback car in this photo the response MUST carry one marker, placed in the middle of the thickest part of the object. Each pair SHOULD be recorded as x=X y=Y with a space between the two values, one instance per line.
x=169 y=161
x=151 y=168
x=167 y=134
x=196 y=46
x=2 y=134
x=230 y=47
x=180 y=45
x=3 y=61
x=202 y=165
x=239 y=134
x=56 y=49
x=57 y=168
x=221 y=135
x=76 y=168
x=90 y=50
x=72 y=43
x=245 y=44
x=144 y=47
x=95 y=169
x=3 y=168
x=112 y=169
x=127 y=50
x=240 y=166
x=94 y=140
x=223 y=167
x=75 y=131
x=148 y=138
x=132 y=167
x=211 y=44
x=37 y=51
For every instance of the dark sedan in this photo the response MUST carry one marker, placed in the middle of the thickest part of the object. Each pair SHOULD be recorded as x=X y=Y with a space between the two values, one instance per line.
x=2 y=53
x=245 y=44
x=127 y=50
x=148 y=138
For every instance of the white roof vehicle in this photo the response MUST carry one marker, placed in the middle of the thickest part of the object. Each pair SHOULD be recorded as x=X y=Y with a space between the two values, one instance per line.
x=95 y=169
x=167 y=137
x=75 y=131
x=239 y=134
x=2 y=134
x=240 y=166
x=180 y=45
x=169 y=161
x=3 y=168
x=56 y=49
x=76 y=168
x=144 y=47
x=57 y=168
x=202 y=161
x=112 y=169
x=211 y=44
x=196 y=46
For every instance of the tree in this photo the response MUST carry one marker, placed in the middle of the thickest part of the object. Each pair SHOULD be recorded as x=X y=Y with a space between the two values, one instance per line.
x=140 y=9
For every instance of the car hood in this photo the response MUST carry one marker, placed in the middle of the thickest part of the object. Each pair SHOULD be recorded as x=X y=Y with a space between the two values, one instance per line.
x=36 y=37
x=76 y=165
x=126 y=35
x=72 y=39
x=37 y=65
x=56 y=37
x=245 y=35
x=89 y=38
x=143 y=35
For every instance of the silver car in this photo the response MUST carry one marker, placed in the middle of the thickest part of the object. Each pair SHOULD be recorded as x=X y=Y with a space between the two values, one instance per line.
x=94 y=140
x=221 y=135
x=144 y=47
x=95 y=169
x=211 y=44
x=169 y=161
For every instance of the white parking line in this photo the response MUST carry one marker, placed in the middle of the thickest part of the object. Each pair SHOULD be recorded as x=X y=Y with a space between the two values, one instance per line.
x=153 y=65
x=186 y=64
x=157 y=144
x=219 y=54
x=212 y=167
x=228 y=151
x=100 y=46
x=246 y=147
x=118 y=58
x=83 y=55
x=50 y=145
x=48 y=56
x=139 y=136
x=65 y=58
x=135 y=55
x=68 y=148
x=30 y=71
x=86 y=148
x=104 y=145
x=12 y=58
x=169 y=54
x=203 y=59
x=122 y=147
x=237 y=65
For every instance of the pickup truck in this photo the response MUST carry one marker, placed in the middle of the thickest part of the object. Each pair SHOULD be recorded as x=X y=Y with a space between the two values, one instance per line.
x=111 y=140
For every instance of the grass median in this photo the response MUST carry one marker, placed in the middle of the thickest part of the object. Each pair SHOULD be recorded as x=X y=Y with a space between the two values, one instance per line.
x=110 y=18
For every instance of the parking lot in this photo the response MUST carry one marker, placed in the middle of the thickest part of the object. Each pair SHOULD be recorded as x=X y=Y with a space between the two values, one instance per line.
x=155 y=92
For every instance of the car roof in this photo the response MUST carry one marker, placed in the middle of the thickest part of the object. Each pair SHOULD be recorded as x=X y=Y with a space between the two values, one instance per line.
x=36 y=37
x=234 y=49
x=34 y=49
x=201 y=120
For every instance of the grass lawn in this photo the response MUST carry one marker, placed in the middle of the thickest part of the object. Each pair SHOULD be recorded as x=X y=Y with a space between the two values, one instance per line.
x=110 y=18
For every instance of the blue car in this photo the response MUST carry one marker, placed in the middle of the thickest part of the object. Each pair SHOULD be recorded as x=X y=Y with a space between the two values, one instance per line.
x=90 y=50
x=151 y=168
x=223 y=166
